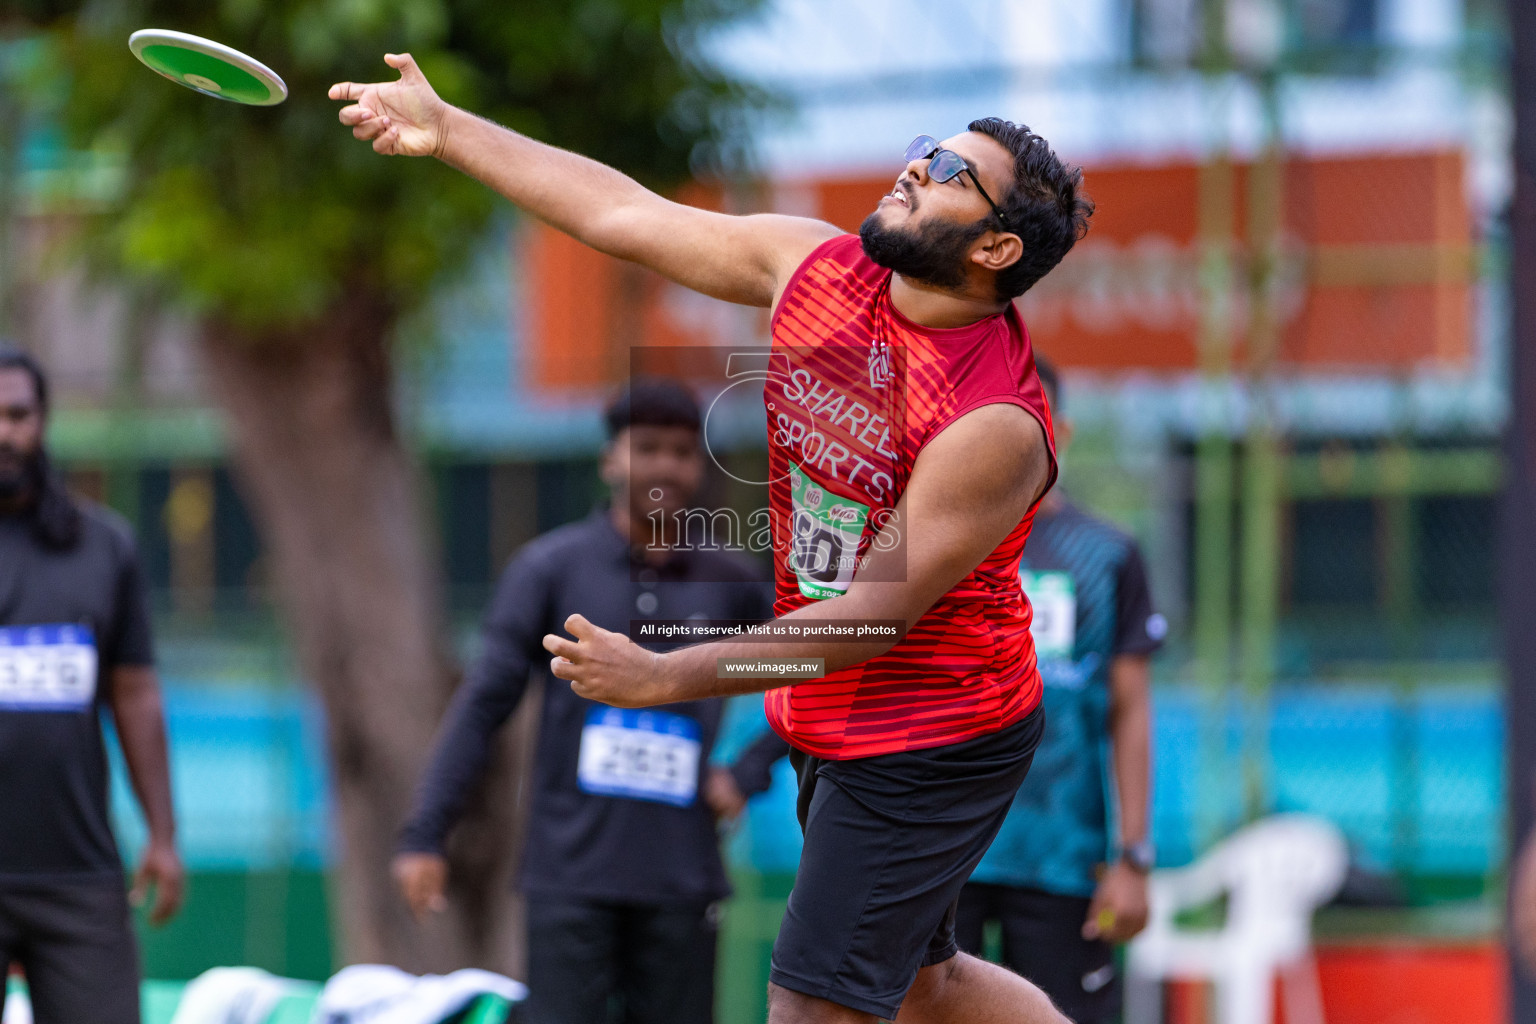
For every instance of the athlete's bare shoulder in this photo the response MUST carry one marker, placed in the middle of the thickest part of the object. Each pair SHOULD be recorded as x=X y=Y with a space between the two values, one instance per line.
x=790 y=241
x=738 y=258
x=794 y=237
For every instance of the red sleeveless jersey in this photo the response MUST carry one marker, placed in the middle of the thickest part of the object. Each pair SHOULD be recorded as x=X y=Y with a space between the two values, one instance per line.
x=855 y=391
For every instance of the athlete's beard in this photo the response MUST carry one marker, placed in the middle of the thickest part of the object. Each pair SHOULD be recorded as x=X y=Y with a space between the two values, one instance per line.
x=26 y=476
x=935 y=255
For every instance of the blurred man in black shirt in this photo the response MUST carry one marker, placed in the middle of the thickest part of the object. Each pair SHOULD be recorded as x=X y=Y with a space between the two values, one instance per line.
x=622 y=868
x=74 y=641
x=1066 y=877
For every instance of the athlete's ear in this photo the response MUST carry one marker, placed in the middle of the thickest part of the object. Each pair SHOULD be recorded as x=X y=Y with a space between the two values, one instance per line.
x=997 y=250
x=613 y=463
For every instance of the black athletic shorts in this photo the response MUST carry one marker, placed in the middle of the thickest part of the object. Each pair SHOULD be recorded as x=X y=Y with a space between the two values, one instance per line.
x=1043 y=941
x=75 y=943
x=889 y=842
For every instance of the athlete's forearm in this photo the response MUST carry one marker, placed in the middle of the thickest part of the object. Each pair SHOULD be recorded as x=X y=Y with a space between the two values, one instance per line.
x=1130 y=739
x=139 y=713
x=694 y=673
x=573 y=193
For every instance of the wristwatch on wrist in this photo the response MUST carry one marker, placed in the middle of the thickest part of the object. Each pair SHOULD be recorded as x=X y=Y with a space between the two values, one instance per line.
x=1139 y=857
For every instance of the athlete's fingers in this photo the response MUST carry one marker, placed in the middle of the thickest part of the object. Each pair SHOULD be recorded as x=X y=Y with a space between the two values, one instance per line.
x=562 y=668
x=346 y=91
x=369 y=130
x=140 y=889
x=578 y=626
x=168 y=897
x=724 y=797
x=388 y=142
x=421 y=878
x=1090 y=927
x=403 y=63
x=1100 y=923
x=561 y=646
x=424 y=895
x=1128 y=924
x=409 y=881
x=355 y=114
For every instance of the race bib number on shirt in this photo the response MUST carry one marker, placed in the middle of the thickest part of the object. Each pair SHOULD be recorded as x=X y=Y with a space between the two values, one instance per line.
x=641 y=754
x=47 y=668
x=1054 y=599
x=825 y=532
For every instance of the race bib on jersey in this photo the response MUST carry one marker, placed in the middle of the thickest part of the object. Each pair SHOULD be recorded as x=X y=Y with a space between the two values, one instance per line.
x=47 y=668
x=640 y=754
x=825 y=531
x=1054 y=599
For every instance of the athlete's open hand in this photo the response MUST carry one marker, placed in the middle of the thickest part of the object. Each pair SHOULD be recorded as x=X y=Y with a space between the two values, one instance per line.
x=161 y=870
x=402 y=118
x=1118 y=910
x=606 y=666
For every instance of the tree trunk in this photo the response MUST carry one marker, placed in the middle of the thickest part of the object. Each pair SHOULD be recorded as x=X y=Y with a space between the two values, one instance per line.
x=336 y=498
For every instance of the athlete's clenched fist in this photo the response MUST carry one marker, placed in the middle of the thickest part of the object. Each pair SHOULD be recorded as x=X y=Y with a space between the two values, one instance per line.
x=606 y=666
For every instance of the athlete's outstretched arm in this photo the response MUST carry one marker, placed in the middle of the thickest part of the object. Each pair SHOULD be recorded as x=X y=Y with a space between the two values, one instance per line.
x=740 y=259
x=969 y=488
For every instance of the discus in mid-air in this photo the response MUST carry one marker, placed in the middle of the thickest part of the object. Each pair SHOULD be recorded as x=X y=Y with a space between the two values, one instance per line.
x=210 y=68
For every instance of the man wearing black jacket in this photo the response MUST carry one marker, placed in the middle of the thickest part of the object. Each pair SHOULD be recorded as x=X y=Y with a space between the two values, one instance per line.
x=622 y=868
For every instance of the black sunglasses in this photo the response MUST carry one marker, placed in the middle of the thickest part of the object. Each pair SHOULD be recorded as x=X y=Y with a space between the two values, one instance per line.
x=944 y=164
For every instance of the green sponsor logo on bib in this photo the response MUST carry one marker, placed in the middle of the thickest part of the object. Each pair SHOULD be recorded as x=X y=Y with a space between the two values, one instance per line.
x=825 y=529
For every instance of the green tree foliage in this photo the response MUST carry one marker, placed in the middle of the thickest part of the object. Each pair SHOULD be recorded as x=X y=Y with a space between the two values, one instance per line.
x=266 y=217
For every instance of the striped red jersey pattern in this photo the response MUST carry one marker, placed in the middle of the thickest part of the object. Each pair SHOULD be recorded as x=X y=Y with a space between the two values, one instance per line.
x=855 y=391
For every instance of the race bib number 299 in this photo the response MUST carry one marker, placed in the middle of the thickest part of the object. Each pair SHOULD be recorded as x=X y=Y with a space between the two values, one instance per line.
x=640 y=754
x=47 y=668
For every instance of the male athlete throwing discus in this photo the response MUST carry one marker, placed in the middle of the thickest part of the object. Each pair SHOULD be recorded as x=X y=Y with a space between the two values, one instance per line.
x=909 y=444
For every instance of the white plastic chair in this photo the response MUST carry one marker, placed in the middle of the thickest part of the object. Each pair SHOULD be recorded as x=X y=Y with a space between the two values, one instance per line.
x=1275 y=873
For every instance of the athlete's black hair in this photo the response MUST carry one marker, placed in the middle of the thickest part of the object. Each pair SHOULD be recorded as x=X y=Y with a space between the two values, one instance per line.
x=1050 y=380
x=13 y=358
x=1046 y=207
x=55 y=516
x=651 y=402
